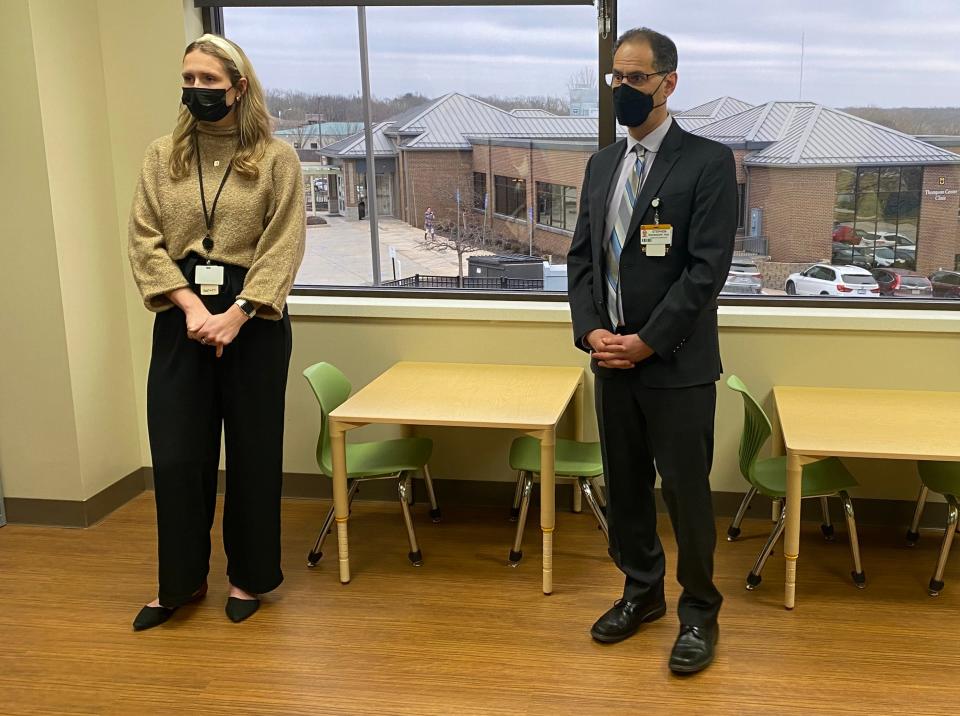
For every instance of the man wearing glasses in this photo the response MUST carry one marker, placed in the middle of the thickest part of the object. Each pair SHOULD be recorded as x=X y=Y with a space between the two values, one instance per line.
x=650 y=253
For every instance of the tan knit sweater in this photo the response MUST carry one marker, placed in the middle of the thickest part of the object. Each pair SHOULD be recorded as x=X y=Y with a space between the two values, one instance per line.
x=259 y=223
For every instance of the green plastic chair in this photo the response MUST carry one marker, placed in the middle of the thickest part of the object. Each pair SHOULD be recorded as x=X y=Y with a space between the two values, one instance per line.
x=942 y=477
x=397 y=459
x=577 y=460
x=823 y=479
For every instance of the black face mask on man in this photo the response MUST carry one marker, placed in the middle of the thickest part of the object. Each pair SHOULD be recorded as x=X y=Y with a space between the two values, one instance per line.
x=633 y=106
x=207 y=105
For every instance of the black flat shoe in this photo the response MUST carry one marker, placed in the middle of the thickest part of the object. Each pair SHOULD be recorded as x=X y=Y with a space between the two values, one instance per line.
x=239 y=609
x=625 y=618
x=694 y=649
x=150 y=617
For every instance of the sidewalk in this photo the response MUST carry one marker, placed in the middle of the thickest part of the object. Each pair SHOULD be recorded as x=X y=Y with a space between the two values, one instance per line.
x=338 y=254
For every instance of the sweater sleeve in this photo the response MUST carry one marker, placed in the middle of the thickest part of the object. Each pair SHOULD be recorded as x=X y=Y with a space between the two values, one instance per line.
x=280 y=248
x=155 y=273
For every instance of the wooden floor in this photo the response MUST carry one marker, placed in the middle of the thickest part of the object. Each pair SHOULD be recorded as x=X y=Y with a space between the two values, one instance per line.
x=464 y=634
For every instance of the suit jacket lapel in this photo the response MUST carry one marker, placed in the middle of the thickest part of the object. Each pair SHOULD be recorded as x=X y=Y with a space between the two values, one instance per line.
x=663 y=163
x=601 y=187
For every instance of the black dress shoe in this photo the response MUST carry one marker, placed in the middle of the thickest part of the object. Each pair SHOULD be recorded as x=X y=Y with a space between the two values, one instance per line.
x=693 y=651
x=150 y=617
x=240 y=609
x=625 y=618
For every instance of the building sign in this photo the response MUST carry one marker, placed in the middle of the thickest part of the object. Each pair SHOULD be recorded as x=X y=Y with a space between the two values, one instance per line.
x=941 y=194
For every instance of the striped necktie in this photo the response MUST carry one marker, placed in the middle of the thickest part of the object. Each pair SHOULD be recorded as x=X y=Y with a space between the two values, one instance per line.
x=618 y=235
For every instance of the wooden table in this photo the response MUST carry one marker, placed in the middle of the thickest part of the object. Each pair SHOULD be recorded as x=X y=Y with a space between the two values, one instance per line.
x=518 y=397
x=852 y=422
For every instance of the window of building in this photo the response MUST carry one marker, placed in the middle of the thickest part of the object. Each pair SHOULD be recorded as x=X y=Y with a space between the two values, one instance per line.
x=876 y=217
x=479 y=191
x=510 y=197
x=741 y=205
x=557 y=206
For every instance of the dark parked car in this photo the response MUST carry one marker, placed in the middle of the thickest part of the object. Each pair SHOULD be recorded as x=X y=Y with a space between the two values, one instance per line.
x=900 y=282
x=847 y=255
x=946 y=284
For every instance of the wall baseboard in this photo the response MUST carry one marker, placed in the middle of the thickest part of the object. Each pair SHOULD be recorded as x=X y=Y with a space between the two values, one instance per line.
x=85 y=513
x=75 y=513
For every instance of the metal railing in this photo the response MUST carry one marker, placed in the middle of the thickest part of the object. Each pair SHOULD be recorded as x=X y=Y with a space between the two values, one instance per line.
x=756 y=245
x=489 y=283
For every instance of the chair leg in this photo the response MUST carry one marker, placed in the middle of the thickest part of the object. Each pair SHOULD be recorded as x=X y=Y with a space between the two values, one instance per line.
x=859 y=578
x=411 y=499
x=776 y=507
x=403 y=488
x=754 y=578
x=577 y=495
x=936 y=583
x=599 y=491
x=516 y=554
x=517 y=495
x=317 y=552
x=827 y=526
x=434 y=507
x=733 y=531
x=913 y=534
x=586 y=487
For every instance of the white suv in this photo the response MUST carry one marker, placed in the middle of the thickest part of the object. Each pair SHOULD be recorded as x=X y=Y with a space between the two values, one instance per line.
x=826 y=280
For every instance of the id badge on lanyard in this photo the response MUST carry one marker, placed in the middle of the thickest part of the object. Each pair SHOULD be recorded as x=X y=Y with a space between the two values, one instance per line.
x=208 y=276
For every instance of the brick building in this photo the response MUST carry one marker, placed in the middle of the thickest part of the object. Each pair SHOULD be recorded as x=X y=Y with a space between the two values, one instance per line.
x=809 y=177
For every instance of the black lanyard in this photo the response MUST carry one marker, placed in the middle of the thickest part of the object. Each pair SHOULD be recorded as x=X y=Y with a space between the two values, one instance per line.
x=208 y=218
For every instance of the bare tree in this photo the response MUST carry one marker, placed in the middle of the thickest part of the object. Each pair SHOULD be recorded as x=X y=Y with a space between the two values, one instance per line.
x=465 y=235
x=584 y=78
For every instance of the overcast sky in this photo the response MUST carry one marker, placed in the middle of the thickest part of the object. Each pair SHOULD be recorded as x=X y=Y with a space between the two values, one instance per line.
x=889 y=53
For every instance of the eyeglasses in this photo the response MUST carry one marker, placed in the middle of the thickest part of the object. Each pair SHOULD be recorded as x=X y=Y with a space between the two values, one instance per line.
x=634 y=79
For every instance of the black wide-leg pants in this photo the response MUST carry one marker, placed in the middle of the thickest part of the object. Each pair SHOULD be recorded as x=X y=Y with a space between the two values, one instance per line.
x=191 y=396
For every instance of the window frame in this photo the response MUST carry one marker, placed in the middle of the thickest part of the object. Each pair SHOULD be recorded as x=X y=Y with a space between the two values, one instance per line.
x=211 y=14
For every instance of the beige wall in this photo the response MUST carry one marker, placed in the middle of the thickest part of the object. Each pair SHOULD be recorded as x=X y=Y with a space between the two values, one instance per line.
x=72 y=384
x=364 y=347
x=91 y=83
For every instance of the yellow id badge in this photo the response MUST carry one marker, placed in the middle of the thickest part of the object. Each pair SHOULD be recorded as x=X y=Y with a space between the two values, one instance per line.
x=656 y=239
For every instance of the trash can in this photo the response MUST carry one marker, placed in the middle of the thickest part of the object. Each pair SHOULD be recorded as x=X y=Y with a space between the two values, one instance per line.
x=362 y=209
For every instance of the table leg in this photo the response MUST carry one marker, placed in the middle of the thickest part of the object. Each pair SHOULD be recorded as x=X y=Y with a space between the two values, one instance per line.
x=791 y=540
x=547 y=504
x=341 y=503
x=578 y=436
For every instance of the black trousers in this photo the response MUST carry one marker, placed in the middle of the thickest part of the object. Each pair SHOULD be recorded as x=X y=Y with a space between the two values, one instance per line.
x=191 y=396
x=643 y=431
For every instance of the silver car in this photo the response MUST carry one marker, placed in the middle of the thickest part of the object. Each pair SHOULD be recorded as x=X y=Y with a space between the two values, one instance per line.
x=744 y=278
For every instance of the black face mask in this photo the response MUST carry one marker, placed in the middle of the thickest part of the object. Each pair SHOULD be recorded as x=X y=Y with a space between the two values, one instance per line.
x=207 y=105
x=633 y=106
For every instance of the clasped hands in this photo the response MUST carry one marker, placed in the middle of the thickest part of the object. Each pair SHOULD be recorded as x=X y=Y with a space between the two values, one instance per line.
x=214 y=329
x=615 y=351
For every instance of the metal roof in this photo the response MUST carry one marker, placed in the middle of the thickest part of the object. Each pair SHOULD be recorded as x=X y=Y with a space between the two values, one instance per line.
x=786 y=134
x=355 y=145
x=796 y=134
x=711 y=111
x=532 y=113
x=330 y=129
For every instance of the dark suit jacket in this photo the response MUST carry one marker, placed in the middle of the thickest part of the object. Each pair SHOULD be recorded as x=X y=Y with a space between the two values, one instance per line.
x=670 y=301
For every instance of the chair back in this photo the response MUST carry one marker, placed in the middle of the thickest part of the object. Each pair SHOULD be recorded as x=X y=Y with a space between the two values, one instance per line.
x=331 y=388
x=756 y=428
x=940 y=476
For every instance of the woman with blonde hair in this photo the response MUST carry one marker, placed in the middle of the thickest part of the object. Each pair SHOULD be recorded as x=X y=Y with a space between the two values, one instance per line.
x=216 y=237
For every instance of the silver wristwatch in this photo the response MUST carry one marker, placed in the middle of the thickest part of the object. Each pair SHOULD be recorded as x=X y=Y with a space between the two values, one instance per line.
x=247 y=307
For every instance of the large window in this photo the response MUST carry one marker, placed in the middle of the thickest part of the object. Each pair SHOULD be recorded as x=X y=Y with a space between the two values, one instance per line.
x=485 y=117
x=457 y=96
x=557 y=206
x=510 y=197
x=877 y=216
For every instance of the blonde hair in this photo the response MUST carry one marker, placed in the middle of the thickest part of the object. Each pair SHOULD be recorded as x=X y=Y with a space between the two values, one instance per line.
x=252 y=119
